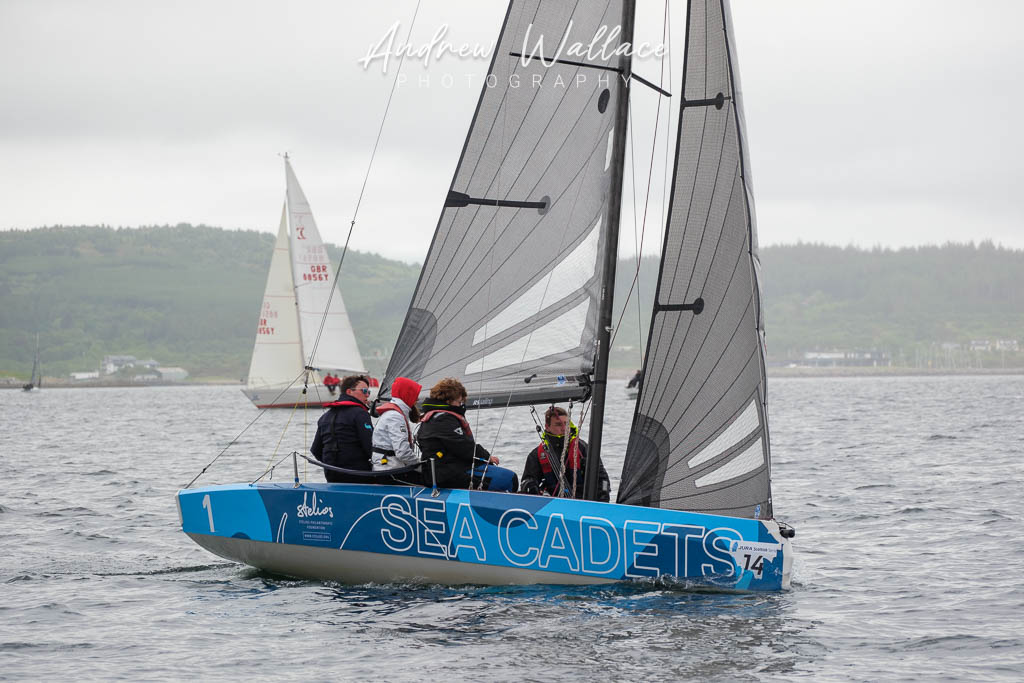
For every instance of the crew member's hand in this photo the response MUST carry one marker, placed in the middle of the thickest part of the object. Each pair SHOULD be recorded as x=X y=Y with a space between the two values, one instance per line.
x=494 y=460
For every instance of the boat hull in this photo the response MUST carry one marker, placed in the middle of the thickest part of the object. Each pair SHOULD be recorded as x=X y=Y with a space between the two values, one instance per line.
x=360 y=533
x=291 y=397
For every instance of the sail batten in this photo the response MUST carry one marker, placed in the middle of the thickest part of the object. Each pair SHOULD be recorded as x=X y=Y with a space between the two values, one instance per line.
x=700 y=433
x=514 y=247
x=507 y=299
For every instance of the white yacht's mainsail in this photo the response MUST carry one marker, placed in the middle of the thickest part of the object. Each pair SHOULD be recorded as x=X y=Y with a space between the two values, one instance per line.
x=320 y=306
x=294 y=331
x=700 y=433
x=508 y=300
x=277 y=353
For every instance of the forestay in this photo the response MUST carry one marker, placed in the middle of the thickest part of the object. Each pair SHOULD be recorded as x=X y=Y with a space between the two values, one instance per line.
x=700 y=434
x=277 y=352
x=507 y=300
x=314 y=284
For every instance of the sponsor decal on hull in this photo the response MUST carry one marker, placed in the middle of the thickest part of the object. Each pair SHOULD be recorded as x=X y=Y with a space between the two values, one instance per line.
x=601 y=540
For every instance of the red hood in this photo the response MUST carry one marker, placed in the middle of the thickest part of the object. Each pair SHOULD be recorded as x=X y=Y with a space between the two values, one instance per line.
x=406 y=389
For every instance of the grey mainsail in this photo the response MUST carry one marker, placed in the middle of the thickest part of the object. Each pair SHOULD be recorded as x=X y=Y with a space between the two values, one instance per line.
x=699 y=440
x=509 y=296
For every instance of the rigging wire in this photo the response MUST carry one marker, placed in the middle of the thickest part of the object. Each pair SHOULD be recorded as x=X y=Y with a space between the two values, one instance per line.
x=337 y=273
x=566 y=438
x=666 y=194
x=490 y=289
x=244 y=430
x=529 y=337
x=636 y=221
x=636 y=276
x=366 y=178
x=283 y=432
x=540 y=305
x=647 y=195
x=667 y=62
x=270 y=469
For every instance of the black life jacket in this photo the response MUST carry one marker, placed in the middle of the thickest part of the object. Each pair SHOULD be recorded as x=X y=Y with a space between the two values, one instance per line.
x=332 y=447
x=462 y=420
x=430 y=415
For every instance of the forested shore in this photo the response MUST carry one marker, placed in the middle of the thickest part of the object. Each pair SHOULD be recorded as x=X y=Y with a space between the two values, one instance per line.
x=188 y=296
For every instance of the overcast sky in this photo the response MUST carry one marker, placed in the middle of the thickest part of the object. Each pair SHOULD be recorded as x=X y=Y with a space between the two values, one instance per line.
x=889 y=122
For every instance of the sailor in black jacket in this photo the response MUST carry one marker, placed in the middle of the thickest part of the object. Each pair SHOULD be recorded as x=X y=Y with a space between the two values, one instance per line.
x=541 y=472
x=446 y=438
x=344 y=434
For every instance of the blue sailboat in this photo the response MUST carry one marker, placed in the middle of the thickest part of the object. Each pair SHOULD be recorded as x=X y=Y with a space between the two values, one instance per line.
x=515 y=301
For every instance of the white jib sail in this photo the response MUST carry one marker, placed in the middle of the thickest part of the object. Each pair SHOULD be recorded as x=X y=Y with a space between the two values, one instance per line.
x=277 y=354
x=314 y=282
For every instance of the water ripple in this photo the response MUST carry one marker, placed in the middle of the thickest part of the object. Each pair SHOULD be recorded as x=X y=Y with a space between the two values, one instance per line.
x=904 y=491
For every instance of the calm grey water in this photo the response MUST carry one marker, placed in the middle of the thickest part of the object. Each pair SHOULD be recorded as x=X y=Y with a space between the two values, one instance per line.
x=906 y=494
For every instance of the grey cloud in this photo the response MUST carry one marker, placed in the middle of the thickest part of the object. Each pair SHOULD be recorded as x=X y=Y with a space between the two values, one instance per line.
x=861 y=112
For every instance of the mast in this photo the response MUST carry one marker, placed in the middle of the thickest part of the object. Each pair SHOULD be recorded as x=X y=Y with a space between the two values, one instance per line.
x=37 y=375
x=291 y=269
x=611 y=255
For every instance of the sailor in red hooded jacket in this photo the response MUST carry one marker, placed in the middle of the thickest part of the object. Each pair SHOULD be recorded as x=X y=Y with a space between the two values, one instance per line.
x=393 y=442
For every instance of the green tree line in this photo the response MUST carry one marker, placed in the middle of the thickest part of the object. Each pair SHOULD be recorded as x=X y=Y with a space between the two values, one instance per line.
x=184 y=295
x=903 y=302
x=189 y=296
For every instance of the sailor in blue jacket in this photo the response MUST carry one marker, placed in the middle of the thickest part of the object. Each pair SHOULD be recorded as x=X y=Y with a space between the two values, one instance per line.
x=344 y=434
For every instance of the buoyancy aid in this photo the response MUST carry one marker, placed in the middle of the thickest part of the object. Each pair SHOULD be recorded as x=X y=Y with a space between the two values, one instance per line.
x=466 y=431
x=349 y=402
x=462 y=421
x=385 y=407
x=572 y=457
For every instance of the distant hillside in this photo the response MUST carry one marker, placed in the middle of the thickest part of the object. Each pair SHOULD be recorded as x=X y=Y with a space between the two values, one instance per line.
x=912 y=304
x=895 y=300
x=188 y=295
x=183 y=295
